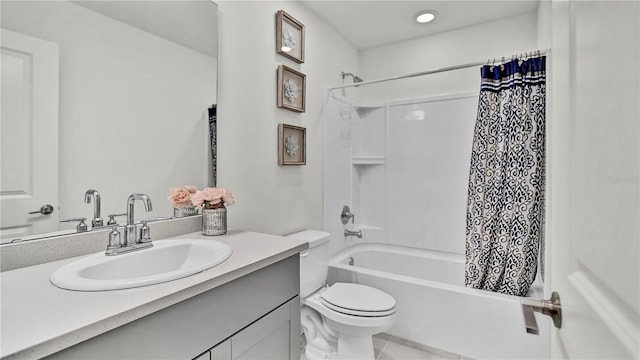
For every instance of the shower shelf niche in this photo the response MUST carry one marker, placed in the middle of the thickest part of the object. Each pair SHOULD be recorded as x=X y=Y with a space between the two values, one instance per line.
x=368 y=160
x=365 y=108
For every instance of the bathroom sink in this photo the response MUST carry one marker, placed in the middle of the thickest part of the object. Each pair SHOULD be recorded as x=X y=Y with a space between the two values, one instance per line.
x=167 y=260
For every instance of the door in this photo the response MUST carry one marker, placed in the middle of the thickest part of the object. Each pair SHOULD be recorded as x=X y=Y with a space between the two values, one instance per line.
x=594 y=200
x=29 y=135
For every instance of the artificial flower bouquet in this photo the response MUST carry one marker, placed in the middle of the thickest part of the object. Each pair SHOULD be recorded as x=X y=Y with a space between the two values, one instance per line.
x=185 y=196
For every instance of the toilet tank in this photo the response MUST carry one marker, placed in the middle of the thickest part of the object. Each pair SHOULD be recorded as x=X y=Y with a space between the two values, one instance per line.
x=314 y=263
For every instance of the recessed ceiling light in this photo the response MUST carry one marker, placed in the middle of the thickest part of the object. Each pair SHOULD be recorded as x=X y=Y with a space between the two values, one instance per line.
x=426 y=16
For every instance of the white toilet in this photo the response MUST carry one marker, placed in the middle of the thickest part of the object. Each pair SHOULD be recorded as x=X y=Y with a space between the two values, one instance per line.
x=338 y=321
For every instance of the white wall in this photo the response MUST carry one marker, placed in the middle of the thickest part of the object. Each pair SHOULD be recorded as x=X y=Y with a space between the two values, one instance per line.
x=513 y=35
x=133 y=107
x=544 y=25
x=271 y=198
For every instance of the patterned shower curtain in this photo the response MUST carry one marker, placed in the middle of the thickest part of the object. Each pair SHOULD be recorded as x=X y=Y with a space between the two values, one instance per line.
x=505 y=206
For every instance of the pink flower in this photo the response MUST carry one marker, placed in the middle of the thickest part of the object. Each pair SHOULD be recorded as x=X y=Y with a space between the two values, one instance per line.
x=212 y=195
x=207 y=196
x=197 y=199
x=180 y=197
x=184 y=196
x=227 y=197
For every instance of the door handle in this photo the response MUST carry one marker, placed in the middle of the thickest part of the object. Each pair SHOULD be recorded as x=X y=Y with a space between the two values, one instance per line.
x=551 y=307
x=44 y=210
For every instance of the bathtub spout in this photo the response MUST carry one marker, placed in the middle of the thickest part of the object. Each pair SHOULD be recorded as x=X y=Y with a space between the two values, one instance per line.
x=357 y=234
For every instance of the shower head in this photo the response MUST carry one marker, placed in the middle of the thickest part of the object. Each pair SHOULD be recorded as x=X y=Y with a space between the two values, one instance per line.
x=356 y=78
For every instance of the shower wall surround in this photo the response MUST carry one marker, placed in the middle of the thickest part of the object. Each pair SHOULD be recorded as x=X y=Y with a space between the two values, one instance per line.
x=428 y=166
x=403 y=167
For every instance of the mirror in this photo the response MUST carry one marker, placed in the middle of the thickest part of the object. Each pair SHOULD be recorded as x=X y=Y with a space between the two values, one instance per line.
x=104 y=95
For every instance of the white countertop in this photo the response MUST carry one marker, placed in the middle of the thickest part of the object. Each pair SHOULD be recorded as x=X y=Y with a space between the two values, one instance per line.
x=38 y=319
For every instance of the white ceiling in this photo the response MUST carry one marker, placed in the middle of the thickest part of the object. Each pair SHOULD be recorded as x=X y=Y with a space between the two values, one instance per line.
x=372 y=23
x=364 y=23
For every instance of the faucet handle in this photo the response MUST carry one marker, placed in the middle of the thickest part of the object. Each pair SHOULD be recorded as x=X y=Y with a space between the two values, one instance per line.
x=112 y=220
x=114 y=242
x=82 y=227
x=145 y=233
x=346 y=215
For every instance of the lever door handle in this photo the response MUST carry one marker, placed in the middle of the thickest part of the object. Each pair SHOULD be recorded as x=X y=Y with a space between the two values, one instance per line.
x=551 y=307
x=44 y=210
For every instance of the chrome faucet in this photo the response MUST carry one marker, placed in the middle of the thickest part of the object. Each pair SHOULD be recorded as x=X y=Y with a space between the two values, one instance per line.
x=131 y=241
x=357 y=234
x=130 y=236
x=91 y=193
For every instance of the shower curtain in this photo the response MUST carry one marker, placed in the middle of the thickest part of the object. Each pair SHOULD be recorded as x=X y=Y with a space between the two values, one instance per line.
x=505 y=205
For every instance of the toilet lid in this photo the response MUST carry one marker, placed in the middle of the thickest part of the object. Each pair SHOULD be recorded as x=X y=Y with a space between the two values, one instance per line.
x=359 y=300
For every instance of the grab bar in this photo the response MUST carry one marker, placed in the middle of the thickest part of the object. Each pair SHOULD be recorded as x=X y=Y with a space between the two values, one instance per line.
x=551 y=307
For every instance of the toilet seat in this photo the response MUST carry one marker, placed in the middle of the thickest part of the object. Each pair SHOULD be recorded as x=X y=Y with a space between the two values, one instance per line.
x=358 y=300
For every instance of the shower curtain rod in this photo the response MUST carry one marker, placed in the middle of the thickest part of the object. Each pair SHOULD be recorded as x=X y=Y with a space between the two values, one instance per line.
x=438 y=70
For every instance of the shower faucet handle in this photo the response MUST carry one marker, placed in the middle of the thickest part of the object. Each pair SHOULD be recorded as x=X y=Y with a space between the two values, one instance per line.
x=346 y=215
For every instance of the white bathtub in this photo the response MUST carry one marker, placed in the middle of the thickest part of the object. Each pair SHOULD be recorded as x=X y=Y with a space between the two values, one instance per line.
x=434 y=308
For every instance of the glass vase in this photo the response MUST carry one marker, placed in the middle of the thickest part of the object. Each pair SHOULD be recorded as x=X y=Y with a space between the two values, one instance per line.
x=214 y=219
x=185 y=211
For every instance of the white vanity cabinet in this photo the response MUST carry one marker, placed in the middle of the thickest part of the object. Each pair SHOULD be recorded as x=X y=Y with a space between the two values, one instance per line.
x=256 y=316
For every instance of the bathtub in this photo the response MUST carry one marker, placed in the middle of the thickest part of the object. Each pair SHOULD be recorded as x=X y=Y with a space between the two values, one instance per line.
x=434 y=308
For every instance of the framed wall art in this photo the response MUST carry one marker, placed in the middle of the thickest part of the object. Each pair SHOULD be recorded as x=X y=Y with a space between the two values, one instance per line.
x=291 y=89
x=292 y=145
x=289 y=37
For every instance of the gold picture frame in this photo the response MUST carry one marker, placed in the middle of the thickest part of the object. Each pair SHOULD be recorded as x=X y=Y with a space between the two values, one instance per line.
x=291 y=89
x=292 y=145
x=289 y=37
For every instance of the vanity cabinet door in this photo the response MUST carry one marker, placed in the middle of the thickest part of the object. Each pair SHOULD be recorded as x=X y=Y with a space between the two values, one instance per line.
x=205 y=356
x=267 y=338
x=274 y=336
x=221 y=351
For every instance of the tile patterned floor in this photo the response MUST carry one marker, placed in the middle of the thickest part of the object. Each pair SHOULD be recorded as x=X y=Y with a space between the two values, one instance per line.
x=387 y=347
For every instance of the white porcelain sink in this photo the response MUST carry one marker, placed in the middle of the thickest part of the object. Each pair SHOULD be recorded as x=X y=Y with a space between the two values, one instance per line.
x=167 y=260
